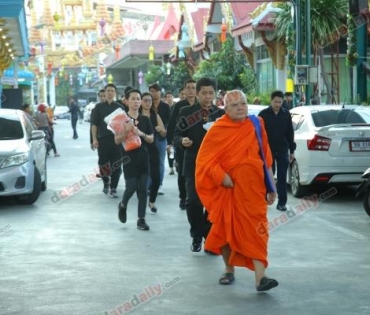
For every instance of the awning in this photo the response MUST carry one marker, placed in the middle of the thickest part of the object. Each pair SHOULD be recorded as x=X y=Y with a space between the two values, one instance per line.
x=22 y=74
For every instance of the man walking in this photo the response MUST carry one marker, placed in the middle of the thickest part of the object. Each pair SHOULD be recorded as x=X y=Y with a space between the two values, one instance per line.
x=75 y=113
x=164 y=111
x=190 y=99
x=189 y=133
x=110 y=153
x=280 y=133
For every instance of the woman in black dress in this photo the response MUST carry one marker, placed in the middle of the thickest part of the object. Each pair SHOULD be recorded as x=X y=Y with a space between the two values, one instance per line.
x=136 y=162
x=147 y=109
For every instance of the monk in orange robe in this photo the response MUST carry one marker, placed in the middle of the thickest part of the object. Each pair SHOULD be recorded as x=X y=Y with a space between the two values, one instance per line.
x=231 y=185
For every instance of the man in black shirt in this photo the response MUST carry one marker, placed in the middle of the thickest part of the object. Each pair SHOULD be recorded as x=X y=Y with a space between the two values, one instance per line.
x=288 y=101
x=190 y=99
x=280 y=133
x=189 y=133
x=164 y=111
x=75 y=112
x=110 y=154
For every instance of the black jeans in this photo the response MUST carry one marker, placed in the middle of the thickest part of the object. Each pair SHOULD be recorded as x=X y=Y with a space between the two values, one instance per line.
x=138 y=184
x=197 y=217
x=110 y=160
x=281 y=164
x=74 y=120
x=49 y=132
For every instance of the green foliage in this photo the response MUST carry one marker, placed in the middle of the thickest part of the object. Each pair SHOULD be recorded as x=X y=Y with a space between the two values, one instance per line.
x=169 y=82
x=264 y=98
x=63 y=90
x=229 y=68
x=352 y=54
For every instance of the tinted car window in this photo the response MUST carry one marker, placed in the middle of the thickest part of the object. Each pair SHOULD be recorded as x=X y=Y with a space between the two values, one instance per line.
x=332 y=117
x=10 y=129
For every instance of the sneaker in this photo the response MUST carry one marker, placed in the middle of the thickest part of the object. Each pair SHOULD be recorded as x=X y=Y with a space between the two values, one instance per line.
x=196 y=246
x=160 y=191
x=281 y=207
x=172 y=172
x=182 y=205
x=141 y=225
x=122 y=213
x=106 y=188
x=113 y=193
x=56 y=155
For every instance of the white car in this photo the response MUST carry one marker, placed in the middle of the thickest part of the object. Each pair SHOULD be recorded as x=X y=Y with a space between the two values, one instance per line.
x=23 y=170
x=333 y=146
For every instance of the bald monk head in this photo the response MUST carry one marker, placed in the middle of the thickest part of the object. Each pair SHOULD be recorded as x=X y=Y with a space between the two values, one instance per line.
x=236 y=106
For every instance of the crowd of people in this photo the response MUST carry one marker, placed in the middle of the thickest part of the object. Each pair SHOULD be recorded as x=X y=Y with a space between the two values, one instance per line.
x=223 y=159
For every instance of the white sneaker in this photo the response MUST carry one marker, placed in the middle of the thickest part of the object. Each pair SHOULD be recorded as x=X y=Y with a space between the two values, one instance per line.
x=160 y=191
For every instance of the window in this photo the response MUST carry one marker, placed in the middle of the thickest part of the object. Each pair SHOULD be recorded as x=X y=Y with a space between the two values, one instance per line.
x=10 y=129
x=344 y=116
x=297 y=121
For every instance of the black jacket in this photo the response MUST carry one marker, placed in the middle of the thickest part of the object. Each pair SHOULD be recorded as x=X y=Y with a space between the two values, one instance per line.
x=190 y=124
x=279 y=129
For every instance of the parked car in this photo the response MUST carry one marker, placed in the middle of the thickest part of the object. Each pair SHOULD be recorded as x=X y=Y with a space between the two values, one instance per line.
x=62 y=112
x=333 y=146
x=23 y=171
x=255 y=109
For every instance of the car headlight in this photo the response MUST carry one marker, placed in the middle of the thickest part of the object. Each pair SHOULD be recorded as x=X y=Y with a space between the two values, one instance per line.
x=14 y=160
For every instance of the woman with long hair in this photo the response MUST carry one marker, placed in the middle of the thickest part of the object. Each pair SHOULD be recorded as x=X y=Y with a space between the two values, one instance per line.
x=136 y=169
x=148 y=110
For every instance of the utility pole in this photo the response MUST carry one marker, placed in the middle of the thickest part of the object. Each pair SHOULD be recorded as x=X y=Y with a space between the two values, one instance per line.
x=308 y=46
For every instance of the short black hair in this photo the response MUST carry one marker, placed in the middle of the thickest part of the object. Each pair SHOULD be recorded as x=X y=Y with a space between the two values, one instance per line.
x=25 y=106
x=288 y=94
x=127 y=94
x=189 y=81
x=205 y=82
x=101 y=91
x=155 y=86
x=127 y=88
x=168 y=92
x=110 y=85
x=276 y=94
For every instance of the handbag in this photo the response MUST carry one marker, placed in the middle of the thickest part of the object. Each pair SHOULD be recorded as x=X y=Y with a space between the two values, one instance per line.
x=270 y=187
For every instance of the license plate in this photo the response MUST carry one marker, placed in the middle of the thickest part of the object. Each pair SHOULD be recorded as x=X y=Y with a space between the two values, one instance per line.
x=358 y=146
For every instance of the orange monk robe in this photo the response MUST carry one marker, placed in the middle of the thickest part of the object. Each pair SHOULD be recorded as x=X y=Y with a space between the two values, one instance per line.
x=238 y=214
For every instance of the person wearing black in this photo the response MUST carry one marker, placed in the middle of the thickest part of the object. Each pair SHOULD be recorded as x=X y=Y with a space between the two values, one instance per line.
x=110 y=155
x=280 y=133
x=189 y=133
x=164 y=111
x=288 y=101
x=147 y=109
x=75 y=113
x=190 y=99
x=136 y=170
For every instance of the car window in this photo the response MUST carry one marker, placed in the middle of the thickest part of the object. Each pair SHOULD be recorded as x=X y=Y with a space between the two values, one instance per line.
x=297 y=121
x=339 y=116
x=10 y=129
x=365 y=114
x=28 y=125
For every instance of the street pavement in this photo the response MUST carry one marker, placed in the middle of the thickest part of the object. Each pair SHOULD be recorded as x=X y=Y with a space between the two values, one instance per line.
x=68 y=254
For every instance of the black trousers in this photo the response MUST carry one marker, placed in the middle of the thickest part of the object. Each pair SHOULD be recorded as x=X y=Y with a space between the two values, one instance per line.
x=74 y=120
x=154 y=175
x=110 y=160
x=197 y=216
x=138 y=184
x=281 y=165
x=180 y=174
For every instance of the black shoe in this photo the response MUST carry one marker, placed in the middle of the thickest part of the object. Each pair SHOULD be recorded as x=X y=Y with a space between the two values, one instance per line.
x=281 y=207
x=98 y=176
x=122 y=213
x=106 y=188
x=141 y=225
x=153 y=209
x=196 y=246
x=172 y=172
x=182 y=205
x=267 y=284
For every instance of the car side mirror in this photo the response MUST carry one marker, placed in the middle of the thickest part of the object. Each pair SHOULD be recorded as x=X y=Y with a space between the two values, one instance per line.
x=37 y=135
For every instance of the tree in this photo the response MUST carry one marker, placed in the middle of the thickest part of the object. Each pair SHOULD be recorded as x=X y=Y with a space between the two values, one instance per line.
x=327 y=20
x=229 y=68
x=169 y=81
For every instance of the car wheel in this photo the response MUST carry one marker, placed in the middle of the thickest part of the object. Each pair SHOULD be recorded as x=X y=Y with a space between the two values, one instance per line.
x=32 y=197
x=297 y=189
x=44 y=184
x=367 y=202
